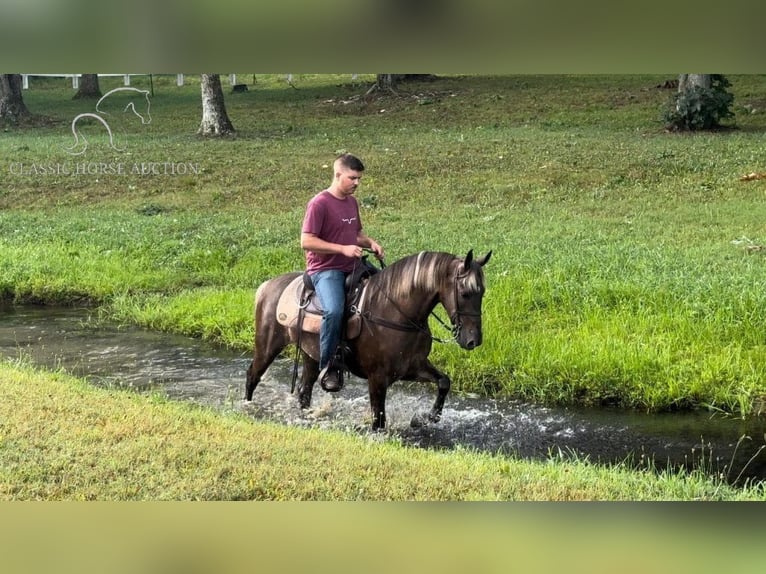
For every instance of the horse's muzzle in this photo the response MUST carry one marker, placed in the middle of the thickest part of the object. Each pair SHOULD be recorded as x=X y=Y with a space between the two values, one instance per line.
x=467 y=330
x=471 y=345
x=469 y=339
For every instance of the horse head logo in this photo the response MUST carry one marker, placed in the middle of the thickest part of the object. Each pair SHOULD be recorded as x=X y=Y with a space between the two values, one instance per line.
x=80 y=144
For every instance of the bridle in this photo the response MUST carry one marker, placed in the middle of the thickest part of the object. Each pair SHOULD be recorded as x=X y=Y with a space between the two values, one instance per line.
x=410 y=325
x=455 y=318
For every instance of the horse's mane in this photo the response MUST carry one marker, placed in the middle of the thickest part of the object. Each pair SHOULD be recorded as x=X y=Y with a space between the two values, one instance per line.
x=420 y=272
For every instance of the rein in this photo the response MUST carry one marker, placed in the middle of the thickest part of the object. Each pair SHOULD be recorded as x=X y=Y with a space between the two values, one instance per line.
x=410 y=325
x=414 y=326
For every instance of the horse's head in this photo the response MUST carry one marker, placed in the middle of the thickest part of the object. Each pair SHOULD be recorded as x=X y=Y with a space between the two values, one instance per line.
x=461 y=296
x=144 y=115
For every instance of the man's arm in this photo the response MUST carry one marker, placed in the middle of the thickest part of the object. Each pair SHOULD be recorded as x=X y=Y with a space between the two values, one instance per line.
x=310 y=242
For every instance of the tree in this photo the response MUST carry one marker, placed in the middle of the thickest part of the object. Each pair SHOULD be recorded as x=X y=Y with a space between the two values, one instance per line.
x=687 y=82
x=215 y=120
x=387 y=81
x=12 y=107
x=89 y=87
x=700 y=103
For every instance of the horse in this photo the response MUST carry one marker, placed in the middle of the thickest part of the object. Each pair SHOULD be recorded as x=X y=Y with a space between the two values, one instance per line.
x=394 y=340
x=80 y=147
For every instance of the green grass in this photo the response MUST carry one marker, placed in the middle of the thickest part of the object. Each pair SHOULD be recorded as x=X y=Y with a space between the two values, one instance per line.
x=621 y=271
x=63 y=439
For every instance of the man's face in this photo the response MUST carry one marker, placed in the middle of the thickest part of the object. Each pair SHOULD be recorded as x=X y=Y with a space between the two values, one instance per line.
x=348 y=180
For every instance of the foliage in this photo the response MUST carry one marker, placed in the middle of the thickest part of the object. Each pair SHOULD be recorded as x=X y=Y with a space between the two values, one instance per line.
x=700 y=108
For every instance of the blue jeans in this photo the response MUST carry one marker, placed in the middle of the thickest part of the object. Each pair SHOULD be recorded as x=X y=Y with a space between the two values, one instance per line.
x=330 y=287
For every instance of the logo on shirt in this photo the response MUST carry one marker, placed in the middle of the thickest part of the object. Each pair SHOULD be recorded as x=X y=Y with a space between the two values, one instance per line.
x=348 y=220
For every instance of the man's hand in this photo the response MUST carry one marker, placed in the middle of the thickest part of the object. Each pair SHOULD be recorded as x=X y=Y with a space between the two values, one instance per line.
x=377 y=249
x=351 y=251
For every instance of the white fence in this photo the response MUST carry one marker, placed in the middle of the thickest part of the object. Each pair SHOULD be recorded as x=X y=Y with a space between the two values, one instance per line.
x=126 y=78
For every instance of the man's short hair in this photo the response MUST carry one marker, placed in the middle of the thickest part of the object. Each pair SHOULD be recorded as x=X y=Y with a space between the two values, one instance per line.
x=350 y=161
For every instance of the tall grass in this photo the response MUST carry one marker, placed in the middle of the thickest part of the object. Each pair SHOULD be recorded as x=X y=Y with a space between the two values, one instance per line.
x=627 y=264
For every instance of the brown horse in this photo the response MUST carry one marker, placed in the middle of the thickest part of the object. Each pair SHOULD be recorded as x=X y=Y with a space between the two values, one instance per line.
x=395 y=340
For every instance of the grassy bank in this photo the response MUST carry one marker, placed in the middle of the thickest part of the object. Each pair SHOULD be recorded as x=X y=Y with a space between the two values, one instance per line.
x=63 y=439
x=627 y=266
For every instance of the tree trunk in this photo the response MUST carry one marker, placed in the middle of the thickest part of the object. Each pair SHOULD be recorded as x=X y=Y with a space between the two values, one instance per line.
x=89 y=87
x=387 y=81
x=689 y=81
x=215 y=120
x=12 y=107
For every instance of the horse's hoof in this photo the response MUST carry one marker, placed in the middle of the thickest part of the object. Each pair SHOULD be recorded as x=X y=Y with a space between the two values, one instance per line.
x=419 y=420
x=304 y=402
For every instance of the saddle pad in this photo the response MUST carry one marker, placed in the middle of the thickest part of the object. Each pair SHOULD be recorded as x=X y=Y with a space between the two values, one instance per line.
x=288 y=308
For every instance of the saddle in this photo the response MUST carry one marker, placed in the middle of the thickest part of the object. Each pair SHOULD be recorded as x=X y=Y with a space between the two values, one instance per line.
x=299 y=307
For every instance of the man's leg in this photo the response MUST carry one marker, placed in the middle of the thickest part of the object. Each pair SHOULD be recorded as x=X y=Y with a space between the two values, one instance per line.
x=331 y=290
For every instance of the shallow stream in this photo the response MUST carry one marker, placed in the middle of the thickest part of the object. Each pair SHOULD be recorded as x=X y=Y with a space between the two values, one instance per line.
x=188 y=369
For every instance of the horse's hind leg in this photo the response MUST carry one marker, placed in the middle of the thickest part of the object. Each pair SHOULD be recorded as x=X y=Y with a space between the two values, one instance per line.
x=308 y=378
x=255 y=371
x=267 y=347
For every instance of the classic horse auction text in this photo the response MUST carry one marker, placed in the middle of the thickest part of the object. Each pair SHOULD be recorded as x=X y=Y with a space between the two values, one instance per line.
x=100 y=168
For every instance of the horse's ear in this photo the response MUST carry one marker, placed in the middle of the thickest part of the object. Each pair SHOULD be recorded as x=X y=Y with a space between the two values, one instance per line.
x=483 y=260
x=468 y=259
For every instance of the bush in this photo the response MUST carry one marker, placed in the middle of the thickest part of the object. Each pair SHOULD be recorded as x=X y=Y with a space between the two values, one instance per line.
x=700 y=108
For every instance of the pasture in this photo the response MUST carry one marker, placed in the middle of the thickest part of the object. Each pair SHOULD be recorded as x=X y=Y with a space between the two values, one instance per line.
x=628 y=262
x=627 y=270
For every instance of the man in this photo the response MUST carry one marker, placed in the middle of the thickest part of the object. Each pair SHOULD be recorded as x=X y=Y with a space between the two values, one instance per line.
x=333 y=239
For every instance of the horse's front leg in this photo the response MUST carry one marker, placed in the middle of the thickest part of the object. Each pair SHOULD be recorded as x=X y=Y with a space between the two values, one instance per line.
x=308 y=378
x=378 y=387
x=430 y=374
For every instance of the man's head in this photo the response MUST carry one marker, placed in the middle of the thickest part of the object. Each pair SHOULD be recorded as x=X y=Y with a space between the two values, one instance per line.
x=347 y=170
x=349 y=161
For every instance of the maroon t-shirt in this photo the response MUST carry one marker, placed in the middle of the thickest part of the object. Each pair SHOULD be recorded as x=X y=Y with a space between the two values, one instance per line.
x=334 y=220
